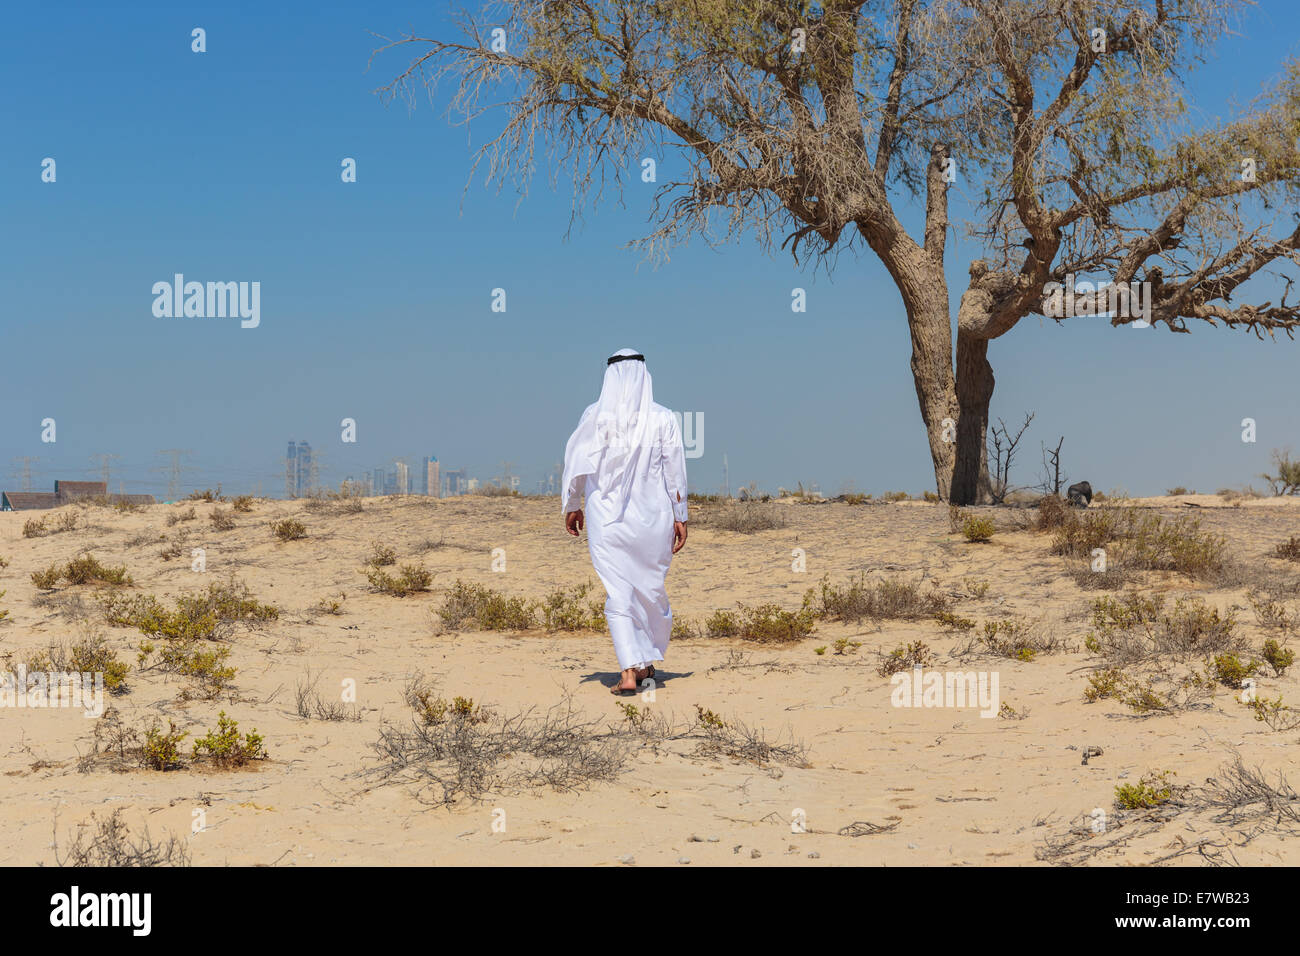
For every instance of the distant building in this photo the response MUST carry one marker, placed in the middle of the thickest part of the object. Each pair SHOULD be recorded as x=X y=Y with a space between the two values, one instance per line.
x=64 y=493
x=377 y=482
x=403 y=479
x=453 y=483
x=298 y=474
x=432 y=477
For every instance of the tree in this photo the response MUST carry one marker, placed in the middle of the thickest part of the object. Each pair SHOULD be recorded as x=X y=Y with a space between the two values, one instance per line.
x=815 y=124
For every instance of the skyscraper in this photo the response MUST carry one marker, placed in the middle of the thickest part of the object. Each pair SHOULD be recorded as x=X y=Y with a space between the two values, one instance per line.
x=432 y=477
x=298 y=470
x=455 y=482
x=403 y=478
x=305 y=471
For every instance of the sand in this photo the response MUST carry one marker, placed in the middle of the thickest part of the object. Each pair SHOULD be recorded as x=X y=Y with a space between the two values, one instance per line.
x=947 y=786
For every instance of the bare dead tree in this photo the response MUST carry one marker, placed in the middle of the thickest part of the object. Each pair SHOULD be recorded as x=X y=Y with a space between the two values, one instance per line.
x=1052 y=479
x=1003 y=451
x=811 y=126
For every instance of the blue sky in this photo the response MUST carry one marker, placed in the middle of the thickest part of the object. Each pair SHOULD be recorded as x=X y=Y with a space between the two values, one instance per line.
x=376 y=295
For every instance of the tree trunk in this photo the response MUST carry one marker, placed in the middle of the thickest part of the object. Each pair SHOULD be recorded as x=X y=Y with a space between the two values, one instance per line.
x=931 y=330
x=970 y=480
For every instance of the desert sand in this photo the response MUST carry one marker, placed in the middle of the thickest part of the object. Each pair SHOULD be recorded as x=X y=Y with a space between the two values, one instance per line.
x=882 y=785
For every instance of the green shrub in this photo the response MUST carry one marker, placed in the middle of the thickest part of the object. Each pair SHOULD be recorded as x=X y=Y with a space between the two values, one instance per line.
x=226 y=748
x=92 y=655
x=953 y=622
x=1230 y=670
x=1274 y=655
x=976 y=529
x=162 y=748
x=1151 y=791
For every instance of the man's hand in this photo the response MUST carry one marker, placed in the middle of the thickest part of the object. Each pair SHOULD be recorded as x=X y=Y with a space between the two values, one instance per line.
x=679 y=536
x=573 y=522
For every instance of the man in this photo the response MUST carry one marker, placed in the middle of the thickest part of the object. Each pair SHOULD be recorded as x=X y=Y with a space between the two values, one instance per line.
x=626 y=454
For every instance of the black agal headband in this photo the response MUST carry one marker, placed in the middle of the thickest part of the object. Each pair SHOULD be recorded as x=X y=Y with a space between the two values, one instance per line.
x=624 y=358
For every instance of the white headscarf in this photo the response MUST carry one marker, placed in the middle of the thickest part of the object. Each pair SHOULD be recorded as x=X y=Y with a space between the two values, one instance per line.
x=615 y=440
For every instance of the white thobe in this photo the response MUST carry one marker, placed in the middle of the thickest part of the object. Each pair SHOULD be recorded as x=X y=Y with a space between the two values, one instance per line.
x=631 y=541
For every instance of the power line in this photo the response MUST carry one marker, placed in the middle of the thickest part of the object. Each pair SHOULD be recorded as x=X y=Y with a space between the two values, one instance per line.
x=26 y=473
x=104 y=467
x=174 y=470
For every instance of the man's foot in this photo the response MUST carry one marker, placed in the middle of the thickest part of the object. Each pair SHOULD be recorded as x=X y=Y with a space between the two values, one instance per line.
x=645 y=672
x=626 y=682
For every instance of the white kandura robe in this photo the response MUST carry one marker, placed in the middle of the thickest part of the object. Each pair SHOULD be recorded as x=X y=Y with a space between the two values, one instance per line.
x=629 y=519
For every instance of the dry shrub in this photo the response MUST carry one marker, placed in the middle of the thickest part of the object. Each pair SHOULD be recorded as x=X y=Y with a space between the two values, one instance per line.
x=410 y=579
x=915 y=654
x=736 y=739
x=1017 y=640
x=345 y=501
x=83 y=569
x=569 y=609
x=765 y=624
x=455 y=752
x=1051 y=513
x=748 y=518
x=222 y=519
x=381 y=555
x=176 y=517
x=1288 y=550
x=110 y=844
x=1142 y=541
x=887 y=599
x=485 y=609
x=289 y=529
x=90 y=653
x=1139 y=629
x=311 y=706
